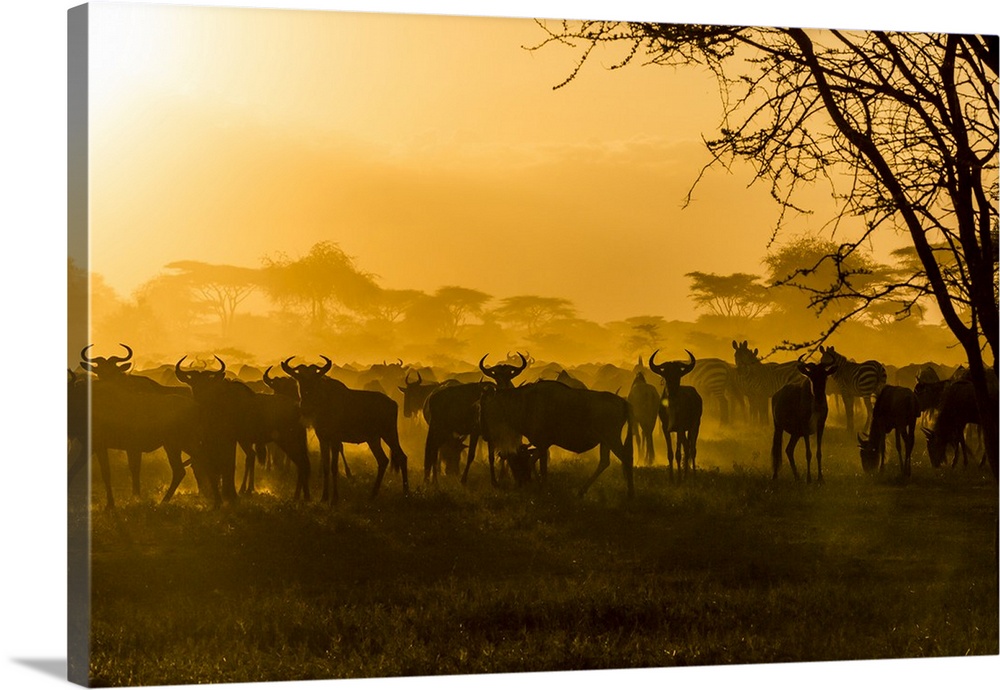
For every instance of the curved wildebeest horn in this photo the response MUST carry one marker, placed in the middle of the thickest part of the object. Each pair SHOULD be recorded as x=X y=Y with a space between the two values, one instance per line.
x=219 y=360
x=486 y=370
x=656 y=368
x=524 y=364
x=690 y=365
x=287 y=368
x=267 y=378
x=326 y=367
x=83 y=354
x=116 y=360
x=406 y=379
x=182 y=376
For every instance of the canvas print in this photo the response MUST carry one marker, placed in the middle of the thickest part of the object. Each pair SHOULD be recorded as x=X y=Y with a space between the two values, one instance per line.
x=414 y=345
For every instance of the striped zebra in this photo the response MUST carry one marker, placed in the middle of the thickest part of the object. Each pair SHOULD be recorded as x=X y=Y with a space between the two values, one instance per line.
x=758 y=380
x=714 y=379
x=855 y=380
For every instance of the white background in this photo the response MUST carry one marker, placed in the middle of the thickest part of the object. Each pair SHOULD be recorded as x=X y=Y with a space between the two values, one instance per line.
x=33 y=255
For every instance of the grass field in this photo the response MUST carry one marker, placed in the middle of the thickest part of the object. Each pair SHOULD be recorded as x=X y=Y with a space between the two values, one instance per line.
x=725 y=567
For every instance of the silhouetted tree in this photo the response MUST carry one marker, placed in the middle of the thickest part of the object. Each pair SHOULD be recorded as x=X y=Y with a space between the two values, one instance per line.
x=321 y=280
x=737 y=295
x=902 y=128
x=808 y=273
x=645 y=334
x=461 y=303
x=221 y=287
x=532 y=312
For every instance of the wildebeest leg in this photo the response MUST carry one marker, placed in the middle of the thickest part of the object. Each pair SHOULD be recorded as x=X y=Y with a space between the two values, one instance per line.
x=177 y=473
x=335 y=450
x=324 y=463
x=134 y=465
x=601 y=466
x=293 y=445
x=908 y=436
x=398 y=461
x=228 y=467
x=343 y=458
x=491 y=453
x=383 y=462
x=790 y=452
x=867 y=400
x=431 y=446
x=693 y=445
x=473 y=442
x=249 y=457
x=102 y=461
x=899 y=450
x=819 y=453
x=543 y=464
x=808 y=460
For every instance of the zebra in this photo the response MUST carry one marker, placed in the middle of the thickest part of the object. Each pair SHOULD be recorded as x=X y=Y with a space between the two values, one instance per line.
x=855 y=380
x=758 y=380
x=714 y=379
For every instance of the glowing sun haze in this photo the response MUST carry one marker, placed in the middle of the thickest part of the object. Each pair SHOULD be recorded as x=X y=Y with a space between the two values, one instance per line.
x=432 y=149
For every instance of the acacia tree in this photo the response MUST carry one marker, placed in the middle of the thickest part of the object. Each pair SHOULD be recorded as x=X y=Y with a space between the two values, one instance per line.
x=222 y=288
x=533 y=312
x=320 y=281
x=902 y=128
x=737 y=295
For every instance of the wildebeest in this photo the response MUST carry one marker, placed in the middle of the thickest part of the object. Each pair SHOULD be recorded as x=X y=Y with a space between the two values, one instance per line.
x=758 y=380
x=503 y=374
x=415 y=394
x=644 y=402
x=855 y=380
x=229 y=418
x=136 y=415
x=800 y=410
x=549 y=413
x=343 y=415
x=453 y=411
x=958 y=408
x=896 y=409
x=680 y=411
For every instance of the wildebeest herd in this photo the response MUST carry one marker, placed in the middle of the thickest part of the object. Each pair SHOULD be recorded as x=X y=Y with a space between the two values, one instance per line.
x=200 y=414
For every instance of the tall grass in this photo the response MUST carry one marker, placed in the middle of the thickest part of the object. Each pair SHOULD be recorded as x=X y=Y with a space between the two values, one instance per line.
x=723 y=567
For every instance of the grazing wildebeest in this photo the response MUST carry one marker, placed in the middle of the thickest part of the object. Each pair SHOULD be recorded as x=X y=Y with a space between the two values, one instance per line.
x=958 y=408
x=136 y=415
x=800 y=410
x=758 y=380
x=680 y=411
x=644 y=402
x=452 y=411
x=549 y=413
x=896 y=409
x=342 y=415
x=855 y=380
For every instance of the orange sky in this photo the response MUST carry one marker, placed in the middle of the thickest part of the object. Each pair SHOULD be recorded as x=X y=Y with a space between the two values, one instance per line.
x=432 y=149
